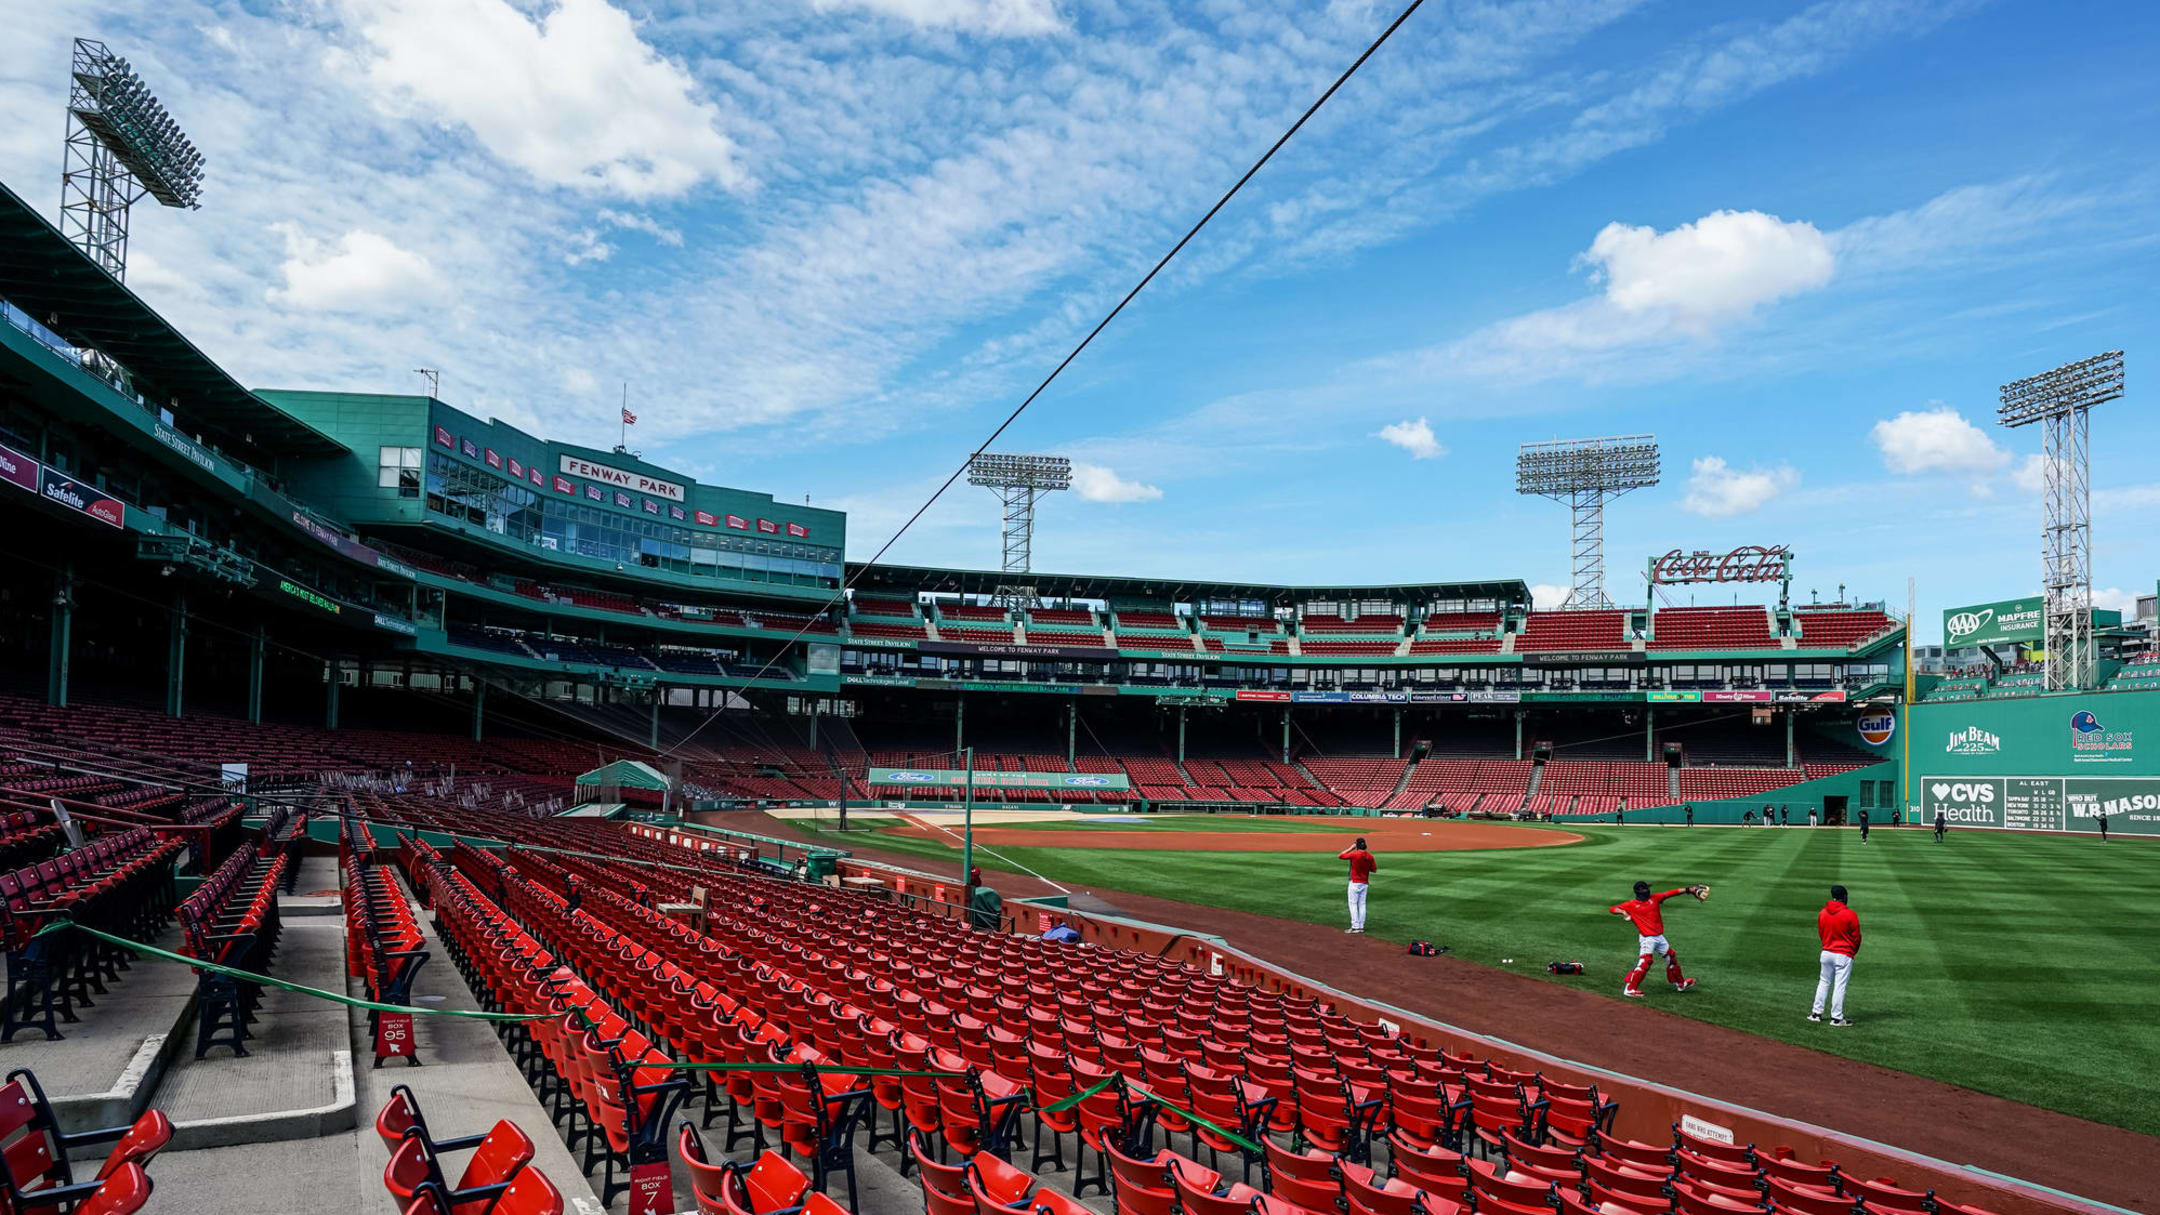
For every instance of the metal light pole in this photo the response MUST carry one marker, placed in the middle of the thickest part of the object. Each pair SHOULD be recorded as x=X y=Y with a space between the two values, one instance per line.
x=1586 y=474
x=2060 y=401
x=121 y=146
x=1019 y=482
x=967 y=838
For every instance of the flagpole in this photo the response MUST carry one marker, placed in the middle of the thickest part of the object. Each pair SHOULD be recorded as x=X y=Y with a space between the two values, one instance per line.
x=622 y=431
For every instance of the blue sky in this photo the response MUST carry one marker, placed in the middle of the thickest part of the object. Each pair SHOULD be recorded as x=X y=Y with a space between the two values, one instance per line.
x=830 y=242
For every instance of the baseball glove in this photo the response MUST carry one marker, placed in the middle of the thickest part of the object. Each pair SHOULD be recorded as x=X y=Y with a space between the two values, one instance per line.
x=1701 y=891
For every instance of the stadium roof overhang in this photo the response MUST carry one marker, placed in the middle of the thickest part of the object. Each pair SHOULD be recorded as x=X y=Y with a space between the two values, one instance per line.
x=916 y=578
x=61 y=288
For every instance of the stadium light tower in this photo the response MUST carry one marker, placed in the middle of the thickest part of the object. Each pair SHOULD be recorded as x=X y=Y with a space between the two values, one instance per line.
x=2060 y=401
x=121 y=145
x=1019 y=482
x=1586 y=474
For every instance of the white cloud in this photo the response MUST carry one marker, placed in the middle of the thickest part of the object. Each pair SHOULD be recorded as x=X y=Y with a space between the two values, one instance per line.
x=579 y=382
x=1546 y=596
x=2114 y=598
x=639 y=223
x=361 y=271
x=570 y=95
x=1413 y=437
x=2030 y=476
x=1661 y=290
x=995 y=17
x=1716 y=490
x=1713 y=271
x=1095 y=483
x=1937 y=440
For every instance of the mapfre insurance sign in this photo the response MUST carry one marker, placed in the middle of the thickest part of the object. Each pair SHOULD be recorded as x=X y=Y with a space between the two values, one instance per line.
x=621 y=478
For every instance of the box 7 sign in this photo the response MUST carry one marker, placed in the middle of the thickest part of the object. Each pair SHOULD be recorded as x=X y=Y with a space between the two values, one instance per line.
x=652 y=1188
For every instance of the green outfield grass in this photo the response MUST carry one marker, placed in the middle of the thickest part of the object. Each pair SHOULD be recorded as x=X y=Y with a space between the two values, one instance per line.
x=2016 y=965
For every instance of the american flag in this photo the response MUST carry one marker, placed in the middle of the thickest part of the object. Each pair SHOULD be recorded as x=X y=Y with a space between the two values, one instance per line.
x=628 y=418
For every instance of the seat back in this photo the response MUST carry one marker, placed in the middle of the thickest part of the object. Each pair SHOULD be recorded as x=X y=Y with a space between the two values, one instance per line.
x=506 y=1150
x=399 y=1116
x=141 y=1144
x=124 y=1193
x=530 y=1193
x=411 y=1166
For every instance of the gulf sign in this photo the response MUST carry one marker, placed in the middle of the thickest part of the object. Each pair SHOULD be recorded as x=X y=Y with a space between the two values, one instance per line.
x=1876 y=728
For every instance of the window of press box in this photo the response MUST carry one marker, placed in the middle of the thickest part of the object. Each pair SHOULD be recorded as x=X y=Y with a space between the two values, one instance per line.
x=398 y=468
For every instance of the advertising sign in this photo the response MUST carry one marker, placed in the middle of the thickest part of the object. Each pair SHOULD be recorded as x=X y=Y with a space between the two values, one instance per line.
x=950 y=778
x=1876 y=728
x=18 y=469
x=2092 y=742
x=995 y=649
x=1747 y=563
x=2045 y=803
x=2006 y=622
x=76 y=496
x=1268 y=697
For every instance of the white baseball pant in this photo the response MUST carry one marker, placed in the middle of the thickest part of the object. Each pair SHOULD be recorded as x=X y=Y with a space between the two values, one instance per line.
x=1836 y=972
x=1357 y=906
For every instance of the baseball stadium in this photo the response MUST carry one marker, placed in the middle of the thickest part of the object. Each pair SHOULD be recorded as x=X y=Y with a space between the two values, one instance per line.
x=402 y=810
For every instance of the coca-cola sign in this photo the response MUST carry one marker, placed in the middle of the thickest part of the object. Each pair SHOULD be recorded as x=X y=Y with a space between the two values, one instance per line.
x=1748 y=563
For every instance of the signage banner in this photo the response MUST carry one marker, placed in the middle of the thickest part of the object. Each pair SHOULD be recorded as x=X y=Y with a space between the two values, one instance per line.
x=537 y=477
x=1320 y=698
x=1269 y=697
x=494 y=459
x=391 y=624
x=953 y=777
x=185 y=446
x=1747 y=563
x=993 y=649
x=2004 y=622
x=1660 y=698
x=18 y=469
x=1587 y=658
x=1738 y=698
x=651 y=507
x=736 y=523
x=563 y=485
x=622 y=499
x=1876 y=728
x=798 y=531
x=768 y=527
x=349 y=547
x=652 y=1187
x=76 y=496
x=705 y=519
x=470 y=448
x=516 y=469
x=393 y=1035
x=442 y=436
x=621 y=478
x=2045 y=803
x=677 y=512
x=309 y=597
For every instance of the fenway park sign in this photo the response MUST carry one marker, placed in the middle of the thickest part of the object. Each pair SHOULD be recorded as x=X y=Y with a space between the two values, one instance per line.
x=1748 y=563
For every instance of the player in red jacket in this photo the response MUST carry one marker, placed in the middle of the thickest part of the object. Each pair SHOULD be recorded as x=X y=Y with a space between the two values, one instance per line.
x=1839 y=928
x=1649 y=922
x=1362 y=865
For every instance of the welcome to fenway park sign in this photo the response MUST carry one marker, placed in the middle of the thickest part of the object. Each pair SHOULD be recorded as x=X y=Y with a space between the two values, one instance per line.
x=1748 y=563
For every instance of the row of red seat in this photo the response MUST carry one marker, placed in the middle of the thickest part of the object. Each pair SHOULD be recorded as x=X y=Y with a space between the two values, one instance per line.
x=384 y=944
x=38 y=1174
x=119 y=883
x=232 y=919
x=497 y=1178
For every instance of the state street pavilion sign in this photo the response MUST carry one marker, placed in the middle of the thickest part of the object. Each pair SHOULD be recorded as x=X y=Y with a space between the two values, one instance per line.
x=953 y=778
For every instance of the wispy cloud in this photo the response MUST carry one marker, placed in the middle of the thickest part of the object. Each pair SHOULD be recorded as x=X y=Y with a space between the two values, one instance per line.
x=1415 y=437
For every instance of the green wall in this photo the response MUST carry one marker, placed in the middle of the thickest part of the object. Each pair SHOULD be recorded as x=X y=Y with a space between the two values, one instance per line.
x=2041 y=762
x=344 y=486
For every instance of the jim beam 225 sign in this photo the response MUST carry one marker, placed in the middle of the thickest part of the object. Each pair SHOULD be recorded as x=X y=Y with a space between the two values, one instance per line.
x=1748 y=563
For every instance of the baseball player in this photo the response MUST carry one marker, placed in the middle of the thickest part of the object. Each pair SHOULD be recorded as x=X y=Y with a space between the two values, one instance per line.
x=1839 y=929
x=1649 y=922
x=1362 y=865
x=1942 y=826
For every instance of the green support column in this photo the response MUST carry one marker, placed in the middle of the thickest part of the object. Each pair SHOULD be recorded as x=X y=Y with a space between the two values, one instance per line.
x=1518 y=733
x=1398 y=733
x=1649 y=736
x=967 y=838
x=1286 y=736
x=176 y=660
x=959 y=723
x=658 y=695
x=813 y=725
x=1792 y=753
x=1181 y=734
x=257 y=642
x=63 y=638
x=479 y=707
x=1072 y=731
x=330 y=699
